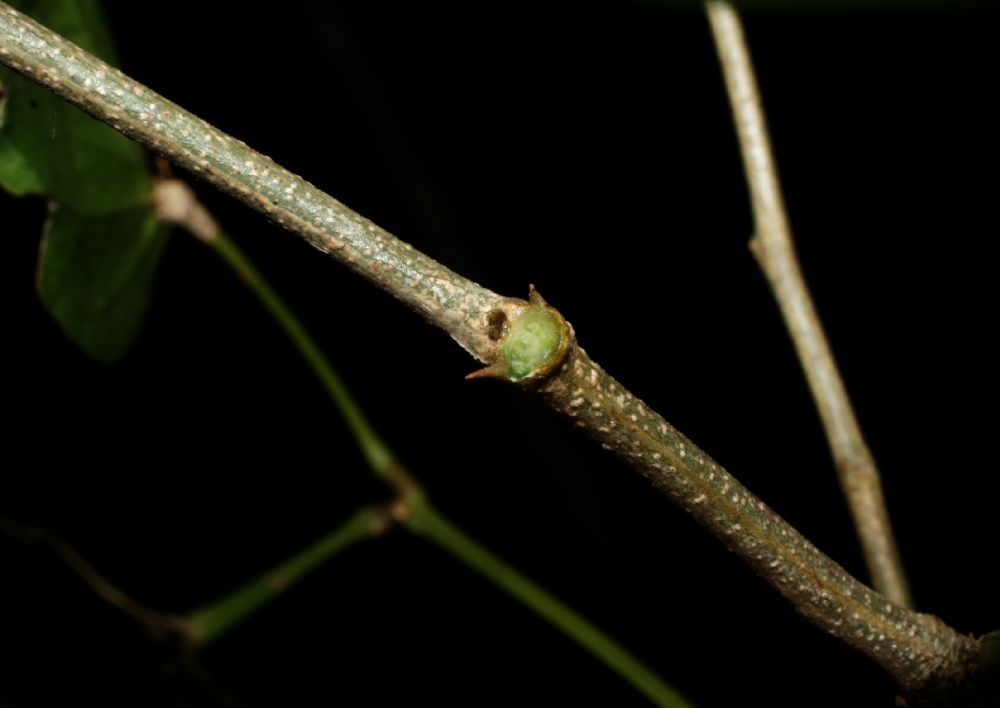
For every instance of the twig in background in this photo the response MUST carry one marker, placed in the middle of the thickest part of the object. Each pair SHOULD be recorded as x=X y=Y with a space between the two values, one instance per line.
x=772 y=245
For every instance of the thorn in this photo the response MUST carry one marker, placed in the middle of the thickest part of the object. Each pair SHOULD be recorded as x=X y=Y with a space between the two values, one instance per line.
x=493 y=371
x=535 y=297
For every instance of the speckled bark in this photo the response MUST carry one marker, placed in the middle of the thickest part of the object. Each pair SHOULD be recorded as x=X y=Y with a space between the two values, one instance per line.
x=447 y=299
x=917 y=649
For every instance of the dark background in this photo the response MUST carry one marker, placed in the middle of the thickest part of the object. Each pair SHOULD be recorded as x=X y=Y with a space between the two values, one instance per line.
x=586 y=149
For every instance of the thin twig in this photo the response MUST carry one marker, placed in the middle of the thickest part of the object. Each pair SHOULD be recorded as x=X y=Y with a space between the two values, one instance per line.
x=426 y=521
x=161 y=624
x=175 y=203
x=772 y=245
x=209 y=622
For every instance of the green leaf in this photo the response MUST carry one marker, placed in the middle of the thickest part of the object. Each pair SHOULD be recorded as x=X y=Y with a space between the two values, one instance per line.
x=51 y=148
x=95 y=275
x=102 y=243
x=48 y=147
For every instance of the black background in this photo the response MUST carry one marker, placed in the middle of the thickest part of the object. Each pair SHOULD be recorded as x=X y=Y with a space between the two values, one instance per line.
x=586 y=149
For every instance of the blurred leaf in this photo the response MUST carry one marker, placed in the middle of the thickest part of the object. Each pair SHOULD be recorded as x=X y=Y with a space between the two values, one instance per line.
x=102 y=244
x=49 y=147
x=95 y=275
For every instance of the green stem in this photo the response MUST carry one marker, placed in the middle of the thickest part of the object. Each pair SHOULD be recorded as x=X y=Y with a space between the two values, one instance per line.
x=427 y=522
x=207 y=623
x=376 y=452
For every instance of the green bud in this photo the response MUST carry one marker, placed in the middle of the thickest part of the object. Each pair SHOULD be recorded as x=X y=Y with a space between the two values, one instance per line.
x=531 y=342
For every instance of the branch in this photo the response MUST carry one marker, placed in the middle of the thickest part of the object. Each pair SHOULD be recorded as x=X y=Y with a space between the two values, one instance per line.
x=448 y=300
x=772 y=245
x=918 y=650
x=530 y=344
